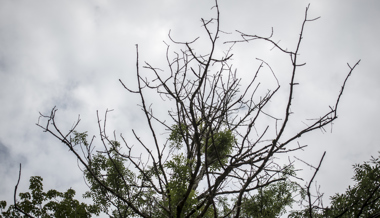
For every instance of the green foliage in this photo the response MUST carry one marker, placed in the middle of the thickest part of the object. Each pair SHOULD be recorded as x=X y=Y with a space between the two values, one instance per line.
x=179 y=182
x=179 y=167
x=48 y=204
x=79 y=138
x=360 y=200
x=223 y=205
x=219 y=146
x=177 y=134
x=363 y=198
x=110 y=168
x=270 y=200
x=305 y=213
x=114 y=174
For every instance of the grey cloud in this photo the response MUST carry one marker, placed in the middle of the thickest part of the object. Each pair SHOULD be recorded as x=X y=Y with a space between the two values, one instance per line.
x=4 y=154
x=72 y=53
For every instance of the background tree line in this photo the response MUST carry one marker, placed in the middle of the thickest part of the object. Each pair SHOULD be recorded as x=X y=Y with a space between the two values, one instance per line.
x=360 y=200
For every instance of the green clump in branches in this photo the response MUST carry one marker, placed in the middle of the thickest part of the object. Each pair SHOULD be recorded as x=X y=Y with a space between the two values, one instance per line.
x=218 y=144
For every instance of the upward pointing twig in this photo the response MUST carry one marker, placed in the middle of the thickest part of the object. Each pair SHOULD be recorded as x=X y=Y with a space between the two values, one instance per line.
x=15 y=193
x=311 y=181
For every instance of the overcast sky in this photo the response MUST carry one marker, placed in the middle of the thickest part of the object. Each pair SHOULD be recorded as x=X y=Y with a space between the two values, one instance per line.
x=70 y=54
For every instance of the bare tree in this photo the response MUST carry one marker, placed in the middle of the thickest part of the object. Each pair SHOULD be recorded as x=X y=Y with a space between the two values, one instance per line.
x=214 y=156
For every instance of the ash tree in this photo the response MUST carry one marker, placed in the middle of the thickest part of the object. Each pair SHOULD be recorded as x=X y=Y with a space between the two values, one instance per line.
x=215 y=161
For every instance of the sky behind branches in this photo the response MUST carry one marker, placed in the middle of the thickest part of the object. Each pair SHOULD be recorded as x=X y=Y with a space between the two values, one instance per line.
x=70 y=54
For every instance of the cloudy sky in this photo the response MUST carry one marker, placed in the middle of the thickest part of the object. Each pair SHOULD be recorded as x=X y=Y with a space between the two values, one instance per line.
x=70 y=54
